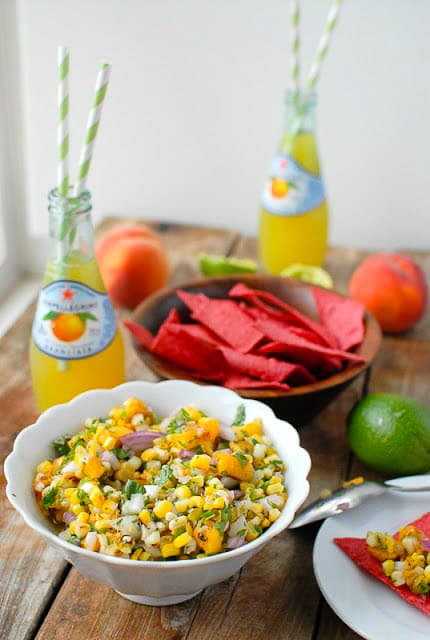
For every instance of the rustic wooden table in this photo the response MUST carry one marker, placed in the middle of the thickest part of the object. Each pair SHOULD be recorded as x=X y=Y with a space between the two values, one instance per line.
x=275 y=595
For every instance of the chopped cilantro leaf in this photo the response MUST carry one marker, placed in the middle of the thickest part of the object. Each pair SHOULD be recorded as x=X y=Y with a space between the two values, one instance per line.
x=49 y=497
x=133 y=487
x=221 y=525
x=241 y=533
x=83 y=497
x=165 y=474
x=121 y=453
x=74 y=540
x=177 y=424
x=258 y=529
x=241 y=457
x=61 y=445
x=277 y=463
x=198 y=449
x=179 y=532
x=205 y=515
x=239 y=418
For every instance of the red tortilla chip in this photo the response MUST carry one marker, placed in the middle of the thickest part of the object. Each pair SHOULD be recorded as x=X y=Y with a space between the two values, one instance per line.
x=342 y=316
x=225 y=318
x=175 y=343
x=295 y=344
x=292 y=315
x=237 y=381
x=356 y=549
x=141 y=333
x=268 y=369
x=319 y=364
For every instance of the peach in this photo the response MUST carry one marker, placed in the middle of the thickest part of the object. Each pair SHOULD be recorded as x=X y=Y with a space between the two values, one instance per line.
x=133 y=263
x=393 y=288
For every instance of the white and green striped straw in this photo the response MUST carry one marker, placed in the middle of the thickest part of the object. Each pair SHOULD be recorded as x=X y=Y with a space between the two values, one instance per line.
x=323 y=45
x=92 y=127
x=294 y=46
x=63 y=122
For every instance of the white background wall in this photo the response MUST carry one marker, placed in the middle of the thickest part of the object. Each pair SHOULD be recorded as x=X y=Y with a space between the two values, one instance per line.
x=195 y=106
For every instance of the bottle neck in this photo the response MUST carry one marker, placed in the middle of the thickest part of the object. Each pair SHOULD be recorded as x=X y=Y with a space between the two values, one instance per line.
x=70 y=227
x=301 y=111
x=300 y=118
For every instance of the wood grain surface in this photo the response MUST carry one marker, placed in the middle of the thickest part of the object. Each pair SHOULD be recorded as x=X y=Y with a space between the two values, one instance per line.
x=275 y=595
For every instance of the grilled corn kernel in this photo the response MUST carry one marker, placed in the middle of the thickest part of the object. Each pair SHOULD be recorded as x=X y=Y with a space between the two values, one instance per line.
x=274 y=488
x=136 y=554
x=108 y=442
x=145 y=516
x=169 y=549
x=388 y=567
x=274 y=514
x=182 y=505
x=183 y=492
x=149 y=454
x=182 y=540
x=162 y=507
x=217 y=503
x=101 y=525
x=196 y=501
x=83 y=517
x=96 y=497
x=44 y=467
x=81 y=530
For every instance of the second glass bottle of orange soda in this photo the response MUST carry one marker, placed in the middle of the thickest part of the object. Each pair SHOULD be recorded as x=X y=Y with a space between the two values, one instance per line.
x=294 y=213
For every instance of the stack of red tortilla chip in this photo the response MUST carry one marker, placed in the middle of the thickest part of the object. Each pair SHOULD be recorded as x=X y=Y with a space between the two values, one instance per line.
x=254 y=340
x=356 y=549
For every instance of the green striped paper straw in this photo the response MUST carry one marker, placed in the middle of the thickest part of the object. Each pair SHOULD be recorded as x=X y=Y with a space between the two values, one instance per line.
x=323 y=45
x=294 y=46
x=63 y=121
x=92 y=127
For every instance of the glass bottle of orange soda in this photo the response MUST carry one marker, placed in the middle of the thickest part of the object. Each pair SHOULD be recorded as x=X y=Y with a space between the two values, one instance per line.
x=294 y=214
x=75 y=343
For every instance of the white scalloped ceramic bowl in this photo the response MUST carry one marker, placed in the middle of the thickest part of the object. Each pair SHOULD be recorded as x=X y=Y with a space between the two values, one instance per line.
x=155 y=583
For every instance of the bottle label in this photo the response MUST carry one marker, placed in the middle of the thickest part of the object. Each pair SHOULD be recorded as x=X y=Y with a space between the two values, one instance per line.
x=291 y=190
x=73 y=321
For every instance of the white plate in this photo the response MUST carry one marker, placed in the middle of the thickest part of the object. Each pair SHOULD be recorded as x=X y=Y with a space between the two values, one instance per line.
x=362 y=602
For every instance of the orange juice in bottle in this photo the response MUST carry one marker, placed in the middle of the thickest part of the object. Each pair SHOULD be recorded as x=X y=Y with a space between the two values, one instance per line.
x=294 y=214
x=75 y=343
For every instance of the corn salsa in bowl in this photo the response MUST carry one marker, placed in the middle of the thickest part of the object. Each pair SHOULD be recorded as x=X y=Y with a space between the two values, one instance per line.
x=135 y=485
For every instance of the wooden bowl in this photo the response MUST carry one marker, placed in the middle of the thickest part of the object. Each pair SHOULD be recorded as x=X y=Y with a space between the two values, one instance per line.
x=299 y=404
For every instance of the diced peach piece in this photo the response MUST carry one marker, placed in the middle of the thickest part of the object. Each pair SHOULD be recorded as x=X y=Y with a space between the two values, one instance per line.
x=93 y=468
x=228 y=464
x=208 y=538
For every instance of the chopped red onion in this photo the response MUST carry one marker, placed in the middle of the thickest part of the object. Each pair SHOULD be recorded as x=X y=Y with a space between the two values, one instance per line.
x=186 y=454
x=139 y=441
x=266 y=505
x=237 y=494
x=227 y=433
x=68 y=517
x=229 y=482
x=426 y=545
x=234 y=542
x=276 y=499
x=69 y=467
x=111 y=459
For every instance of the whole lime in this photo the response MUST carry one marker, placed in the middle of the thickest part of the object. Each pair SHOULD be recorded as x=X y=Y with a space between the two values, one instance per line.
x=390 y=434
